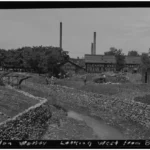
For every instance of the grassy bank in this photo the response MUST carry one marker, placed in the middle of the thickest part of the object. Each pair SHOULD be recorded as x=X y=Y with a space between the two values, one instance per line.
x=13 y=102
x=125 y=92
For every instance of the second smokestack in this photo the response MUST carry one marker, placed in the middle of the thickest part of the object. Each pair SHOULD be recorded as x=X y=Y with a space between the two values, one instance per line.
x=94 y=43
x=60 y=34
x=92 y=49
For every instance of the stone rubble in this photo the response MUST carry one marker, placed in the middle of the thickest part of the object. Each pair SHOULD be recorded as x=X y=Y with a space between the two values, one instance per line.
x=126 y=109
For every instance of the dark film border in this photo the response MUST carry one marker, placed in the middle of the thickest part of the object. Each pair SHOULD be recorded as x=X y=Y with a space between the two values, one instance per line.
x=75 y=144
x=71 y=4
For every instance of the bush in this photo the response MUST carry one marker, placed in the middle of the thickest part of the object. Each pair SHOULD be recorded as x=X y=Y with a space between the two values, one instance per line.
x=134 y=78
x=145 y=99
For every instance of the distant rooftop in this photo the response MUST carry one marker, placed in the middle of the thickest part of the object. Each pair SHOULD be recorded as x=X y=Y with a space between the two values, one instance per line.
x=133 y=60
x=99 y=59
x=111 y=59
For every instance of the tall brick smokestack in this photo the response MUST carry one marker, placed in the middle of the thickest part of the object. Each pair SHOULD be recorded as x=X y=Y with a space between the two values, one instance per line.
x=60 y=35
x=94 y=43
x=92 y=49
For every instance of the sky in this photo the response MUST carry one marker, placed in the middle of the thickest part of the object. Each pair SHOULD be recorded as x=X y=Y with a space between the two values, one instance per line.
x=122 y=28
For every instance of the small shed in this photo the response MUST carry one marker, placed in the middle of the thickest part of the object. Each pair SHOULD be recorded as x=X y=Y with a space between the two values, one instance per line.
x=146 y=75
x=71 y=67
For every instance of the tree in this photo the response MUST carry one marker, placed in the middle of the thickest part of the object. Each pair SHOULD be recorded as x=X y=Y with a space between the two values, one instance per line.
x=2 y=56
x=145 y=61
x=133 y=53
x=112 y=51
x=120 y=58
x=37 y=58
x=120 y=61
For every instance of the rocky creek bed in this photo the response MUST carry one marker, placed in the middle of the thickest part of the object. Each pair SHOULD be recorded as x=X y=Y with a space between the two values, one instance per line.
x=119 y=111
x=128 y=116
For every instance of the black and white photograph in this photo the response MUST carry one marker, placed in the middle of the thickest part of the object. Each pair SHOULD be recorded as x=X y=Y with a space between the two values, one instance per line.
x=77 y=74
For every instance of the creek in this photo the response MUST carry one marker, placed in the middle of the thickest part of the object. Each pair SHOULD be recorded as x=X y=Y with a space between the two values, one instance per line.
x=100 y=128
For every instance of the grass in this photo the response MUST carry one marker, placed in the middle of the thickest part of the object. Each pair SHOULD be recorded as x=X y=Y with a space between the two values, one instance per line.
x=13 y=102
x=36 y=86
x=3 y=118
x=106 y=89
x=134 y=84
x=123 y=91
x=134 y=78
x=77 y=82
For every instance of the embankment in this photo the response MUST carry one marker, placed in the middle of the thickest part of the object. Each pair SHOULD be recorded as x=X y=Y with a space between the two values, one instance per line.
x=123 y=109
x=28 y=125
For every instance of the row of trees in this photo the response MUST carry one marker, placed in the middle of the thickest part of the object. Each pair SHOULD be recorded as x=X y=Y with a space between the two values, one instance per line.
x=120 y=58
x=42 y=59
x=38 y=59
x=114 y=51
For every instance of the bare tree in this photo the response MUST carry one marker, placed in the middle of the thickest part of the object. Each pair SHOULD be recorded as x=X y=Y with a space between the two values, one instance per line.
x=21 y=80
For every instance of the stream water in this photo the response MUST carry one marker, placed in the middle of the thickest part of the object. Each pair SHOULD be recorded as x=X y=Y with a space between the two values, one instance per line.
x=100 y=128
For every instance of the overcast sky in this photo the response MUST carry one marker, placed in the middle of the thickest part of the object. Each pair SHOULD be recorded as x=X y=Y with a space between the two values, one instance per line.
x=125 y=28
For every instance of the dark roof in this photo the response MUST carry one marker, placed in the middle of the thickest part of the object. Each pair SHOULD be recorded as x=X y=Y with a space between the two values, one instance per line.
x=111 y=59
x=77 y=61
x=133 y=60
x=99 y=59
x=70 y=63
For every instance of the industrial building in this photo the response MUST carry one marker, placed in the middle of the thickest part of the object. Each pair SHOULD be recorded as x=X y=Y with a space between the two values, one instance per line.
x=94 y=63
x=100 y=63
x=71 y=67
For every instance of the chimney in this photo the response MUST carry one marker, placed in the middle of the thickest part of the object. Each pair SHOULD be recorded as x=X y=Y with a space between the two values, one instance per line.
x=60 y=34
x=94 y=43
x=92 y=49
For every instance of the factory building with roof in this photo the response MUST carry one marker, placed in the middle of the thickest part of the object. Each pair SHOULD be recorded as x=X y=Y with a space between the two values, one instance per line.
x=99 y=63
x=132 y=62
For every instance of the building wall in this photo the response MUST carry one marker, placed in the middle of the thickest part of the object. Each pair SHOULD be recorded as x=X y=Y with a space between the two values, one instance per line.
x=68 y=67
x=94 y=60
x=130 y=67
x=97 y=68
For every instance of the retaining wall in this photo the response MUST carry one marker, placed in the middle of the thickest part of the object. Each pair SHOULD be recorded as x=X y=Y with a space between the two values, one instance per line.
x=28 y=125
x=125 y=109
